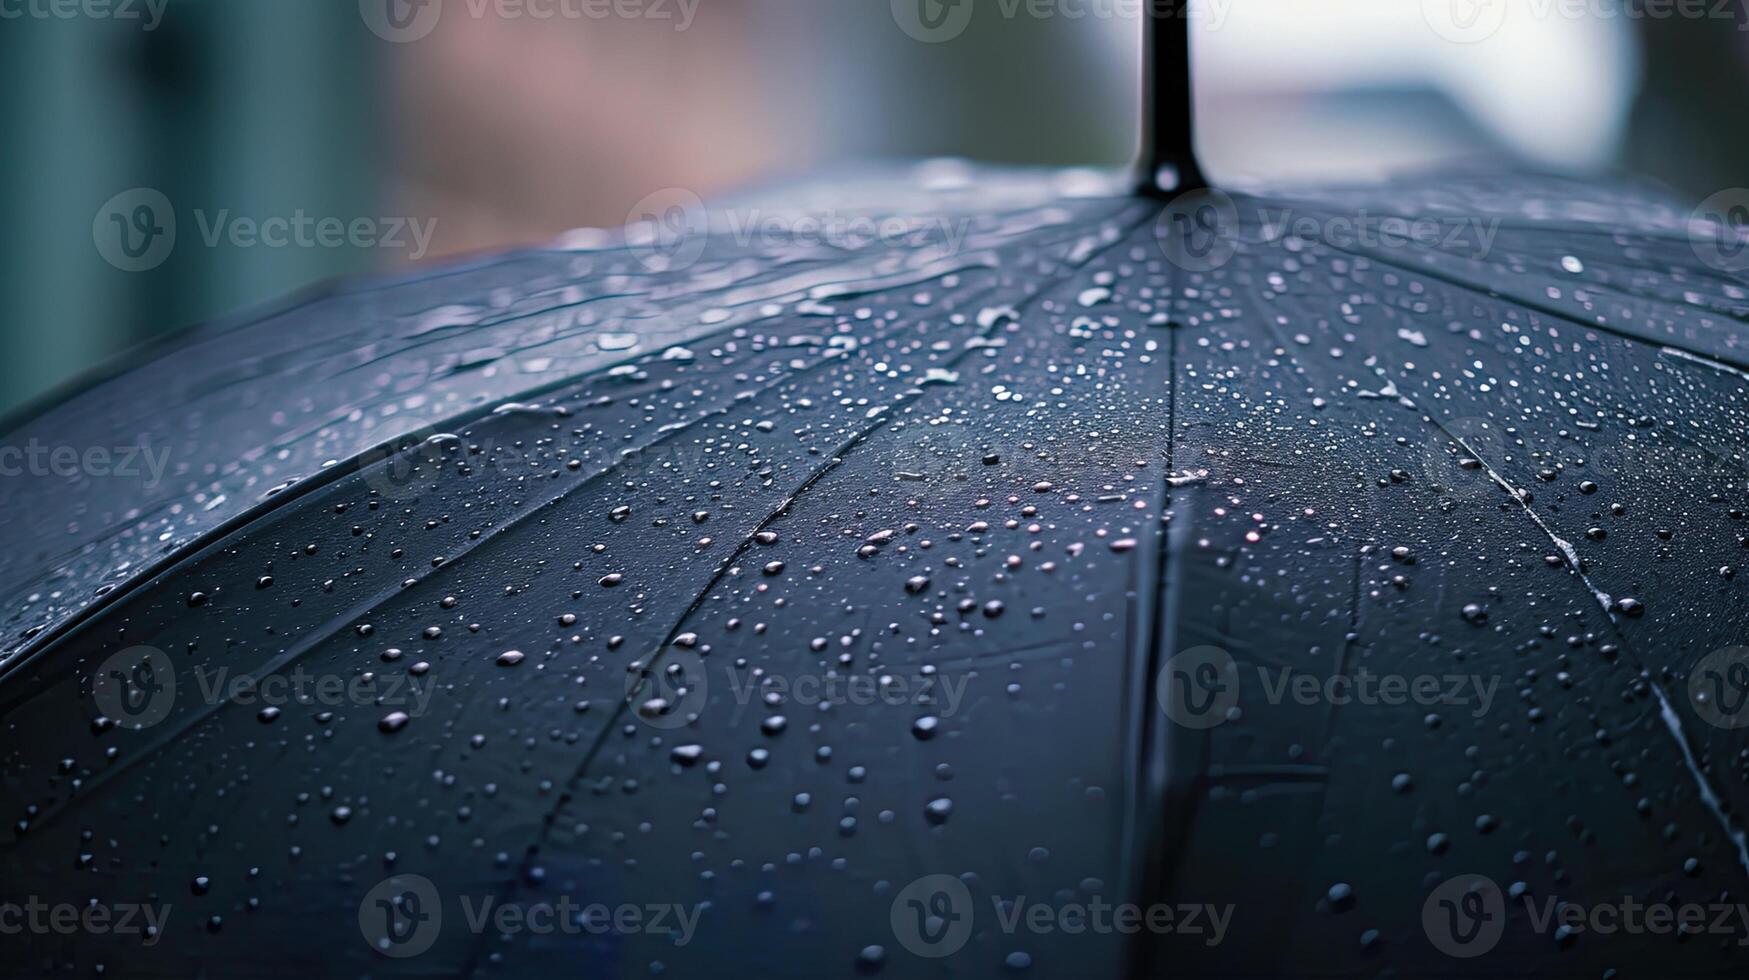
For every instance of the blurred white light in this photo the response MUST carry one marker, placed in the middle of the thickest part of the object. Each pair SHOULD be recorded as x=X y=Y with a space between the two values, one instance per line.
x=1551 y=82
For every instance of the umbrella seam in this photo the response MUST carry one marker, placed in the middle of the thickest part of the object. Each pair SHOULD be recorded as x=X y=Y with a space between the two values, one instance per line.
x=1529 y=304
x=1708 y=794
x=837 y=459
x=311 y=641
x=32 y=648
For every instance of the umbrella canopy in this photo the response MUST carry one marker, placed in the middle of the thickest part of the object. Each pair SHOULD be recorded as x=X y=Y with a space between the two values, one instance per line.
x=980 y=571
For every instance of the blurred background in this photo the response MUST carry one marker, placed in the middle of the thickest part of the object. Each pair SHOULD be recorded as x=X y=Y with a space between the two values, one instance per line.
x=433 y=128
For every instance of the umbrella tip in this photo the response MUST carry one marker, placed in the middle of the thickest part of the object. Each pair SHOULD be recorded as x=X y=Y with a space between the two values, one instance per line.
x=1169 y=178
x=1167 y=163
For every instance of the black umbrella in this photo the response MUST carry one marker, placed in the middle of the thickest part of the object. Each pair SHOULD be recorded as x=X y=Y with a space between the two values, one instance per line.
x=1028 y=577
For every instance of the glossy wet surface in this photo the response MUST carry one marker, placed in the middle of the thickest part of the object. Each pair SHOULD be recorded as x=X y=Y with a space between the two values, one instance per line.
x=890 y=545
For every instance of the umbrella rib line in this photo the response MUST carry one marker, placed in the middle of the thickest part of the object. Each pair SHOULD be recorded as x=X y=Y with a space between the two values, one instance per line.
x=743 y=547
x=338 y=624
x=312 y=640
x=1580 y=227
x=909 y=277
x=837 y=459
x=30 y=649
x=1709 y=796
x=1347 y=644
x=1528 y=304
x=620 y=707
x=1146 y=832
x=321 y=478
x=340 y=288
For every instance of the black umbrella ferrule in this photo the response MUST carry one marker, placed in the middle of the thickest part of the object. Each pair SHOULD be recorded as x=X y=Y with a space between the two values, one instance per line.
x=1167 y=162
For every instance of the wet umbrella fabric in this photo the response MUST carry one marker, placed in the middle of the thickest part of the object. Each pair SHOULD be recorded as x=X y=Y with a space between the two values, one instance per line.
x=768 y=581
